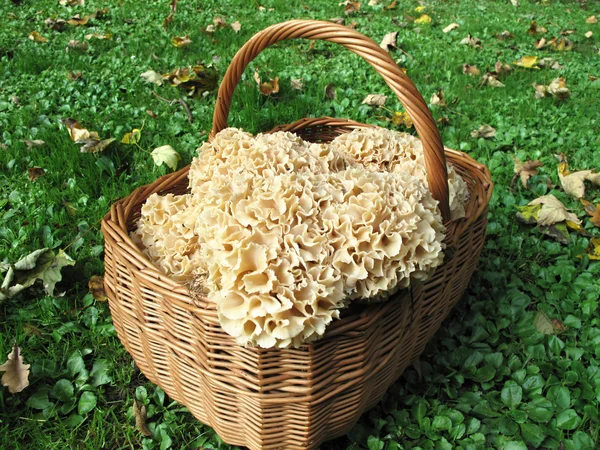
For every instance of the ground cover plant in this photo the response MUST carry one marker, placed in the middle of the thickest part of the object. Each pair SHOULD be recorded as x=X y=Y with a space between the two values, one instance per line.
x=515 y=366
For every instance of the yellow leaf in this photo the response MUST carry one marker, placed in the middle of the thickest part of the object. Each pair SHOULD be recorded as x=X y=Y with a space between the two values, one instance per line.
x=402 y=118
x=529 y=62
x=552 y=211
x=133 y=137
x=420 y=8
x=37 y=37
x=593 y=250
x=424 y=19
x=96 y=286
x=181 y=41
x=16 y=374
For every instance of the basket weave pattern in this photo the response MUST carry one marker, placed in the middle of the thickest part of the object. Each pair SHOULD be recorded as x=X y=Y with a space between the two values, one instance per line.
x=289 y=398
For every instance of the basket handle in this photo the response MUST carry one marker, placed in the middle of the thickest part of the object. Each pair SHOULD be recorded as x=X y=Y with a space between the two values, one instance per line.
x=401 y=85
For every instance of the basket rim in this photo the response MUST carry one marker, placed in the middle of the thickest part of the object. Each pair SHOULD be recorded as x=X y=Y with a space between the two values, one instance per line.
x=114 y=223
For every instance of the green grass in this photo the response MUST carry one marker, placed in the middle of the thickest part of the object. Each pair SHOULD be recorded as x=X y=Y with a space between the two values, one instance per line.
x=487 y=380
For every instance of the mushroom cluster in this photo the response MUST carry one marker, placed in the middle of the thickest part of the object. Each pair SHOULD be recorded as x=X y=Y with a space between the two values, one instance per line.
x=281 y=234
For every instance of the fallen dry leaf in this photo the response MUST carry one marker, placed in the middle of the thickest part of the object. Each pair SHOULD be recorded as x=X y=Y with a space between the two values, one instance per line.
x=593 y=211
x=151 y=113
x=167 y=155
x=374 y=2
x=484 y=131
x=71 y=2
x=515 y=3
x=196 y=80
x=330 y=91
x=501 y=68
x=267 y=87
x=525 y=171
x=528 y=62
x=552 y=211
x=540 y=90
x=181 y=41
x=589 y=34
x=34 y=143
x=73 y=75
x=559 y=45
x=133 y=137
x=152 y=77
x=31 y=330
x=105 y=37
x=96 y=286
x=402 y=118
x=167 y=20
x=471 y=70
x=573 y=183
x=593 y=250
x=55 y=24
x=558 y=88
x=540 y=43
x=94 y=145
x=76 y=45
x=392 y=5
x=472 y=41
x=236 y=26
x=438 y=98
x=389 y=41
x=338 y=20
x=550 y=63
x=504 y=35
x=77 y=20
x=139 y=413
x=351 y=7
x=16 y=374
x=37 y=37
x=490 y=79
x=535 y=29
x=451 y=27
x=375 y=100
x=76 y=132
x=297 y=83
x=35 y=172
x=591 y=20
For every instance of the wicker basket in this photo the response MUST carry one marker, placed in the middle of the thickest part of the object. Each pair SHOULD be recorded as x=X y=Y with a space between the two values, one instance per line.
x=290 y=398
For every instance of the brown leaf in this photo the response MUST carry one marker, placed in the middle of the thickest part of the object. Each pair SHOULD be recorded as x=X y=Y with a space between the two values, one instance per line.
x=181 y=41
x=501 y=68
x=268 y=87
x=504 y=35
x=592 y=211
x=34 y=143
x=71 y=2
x=35 y=172
x=438 y=98
x=167 y=20
x=76 y=45
x=540 y=43
x=96 y=286
x=139 y=413
x=472 y=41
x=37 y=37
x=76 y=132
x=330 y=92
x=375 y=100
x=591 y=20
x=94 y=145
x=471 y=70
x=525 y=171
x=55 y=24
x=196 y=80
x=550 y=63
x=351 y=7
x=592 y=78
x=534 y=29
x=558 y=88
x=73 y=75
x=16 y=374
x=338 y=20
x=77 y=20
x=392 y=5
x=297 y=83
x=540 y=90
x=389 y=41
x=151 y=114
x=484 y=131
x=236 y=26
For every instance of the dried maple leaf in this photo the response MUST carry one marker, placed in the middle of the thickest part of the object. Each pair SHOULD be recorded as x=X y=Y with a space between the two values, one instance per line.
x=139 y=413
x=574 y=183
x=270 y=87
x=35 y=172
x=389 y=41
x=472 y=41
x=528 y=62
x=351 y=7
x=593 y=250
x=181 y=41
x=37 y=37
x=152 y=77
x=484 y=131
x=236 y=26
x=375 y=100
x=535 y=29
x=96 y=286
x=552 y=211
x=451 y=27
x=525 y=171
x=16 y=374
x=471 y=70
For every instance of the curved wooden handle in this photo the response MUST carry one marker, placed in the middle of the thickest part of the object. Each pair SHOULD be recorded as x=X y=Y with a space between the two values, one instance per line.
x=401 y=85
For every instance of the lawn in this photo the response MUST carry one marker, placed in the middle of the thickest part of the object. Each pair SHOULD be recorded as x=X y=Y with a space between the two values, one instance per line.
x=516 y=365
